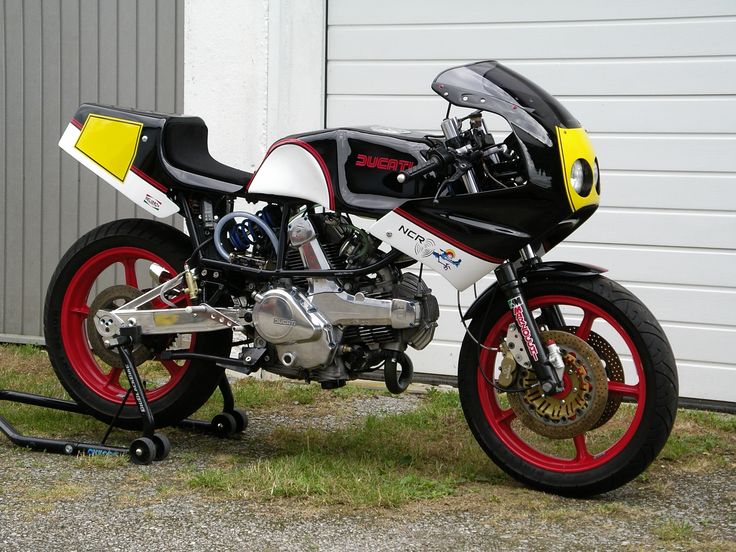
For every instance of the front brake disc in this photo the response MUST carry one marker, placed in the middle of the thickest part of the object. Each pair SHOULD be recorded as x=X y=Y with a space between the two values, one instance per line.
x=614 y=371
x=577 y=408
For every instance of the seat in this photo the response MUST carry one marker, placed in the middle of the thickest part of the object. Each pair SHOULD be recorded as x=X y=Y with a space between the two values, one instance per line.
x=185 y=147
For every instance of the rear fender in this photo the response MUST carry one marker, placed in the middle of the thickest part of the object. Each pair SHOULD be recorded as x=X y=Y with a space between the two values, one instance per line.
x=541 y=271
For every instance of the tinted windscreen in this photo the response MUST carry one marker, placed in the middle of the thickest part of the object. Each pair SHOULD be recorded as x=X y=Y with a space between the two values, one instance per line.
x=490 y=86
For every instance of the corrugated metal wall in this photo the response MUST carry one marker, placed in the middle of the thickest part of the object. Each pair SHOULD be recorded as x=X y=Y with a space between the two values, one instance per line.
x=655 y=85
x=54 y=55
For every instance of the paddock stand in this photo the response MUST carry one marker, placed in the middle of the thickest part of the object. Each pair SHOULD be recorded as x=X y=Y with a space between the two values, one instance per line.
x=151 y=446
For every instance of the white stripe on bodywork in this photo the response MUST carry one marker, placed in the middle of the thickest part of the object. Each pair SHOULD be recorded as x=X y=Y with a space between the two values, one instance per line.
x=428 y=249
x=133 y=187
x=291 y=171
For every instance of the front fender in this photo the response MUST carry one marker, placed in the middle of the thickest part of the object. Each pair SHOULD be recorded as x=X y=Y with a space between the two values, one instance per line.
x=540 y=271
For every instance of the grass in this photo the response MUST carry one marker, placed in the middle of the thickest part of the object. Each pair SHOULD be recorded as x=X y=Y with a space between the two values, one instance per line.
x=386 y=461
x=26 y=368
x=423 y=456
x=305 y=476
x=674 y=531
x=60 y=492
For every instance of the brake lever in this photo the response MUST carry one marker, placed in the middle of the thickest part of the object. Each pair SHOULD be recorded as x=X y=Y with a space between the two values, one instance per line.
x=461 y=167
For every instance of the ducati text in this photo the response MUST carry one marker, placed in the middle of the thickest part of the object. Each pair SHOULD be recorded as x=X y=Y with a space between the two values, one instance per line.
x=383 y=163
x=284 y=321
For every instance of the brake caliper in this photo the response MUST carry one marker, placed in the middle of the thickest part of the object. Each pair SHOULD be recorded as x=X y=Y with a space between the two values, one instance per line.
x=579 y=406
x=508 y=367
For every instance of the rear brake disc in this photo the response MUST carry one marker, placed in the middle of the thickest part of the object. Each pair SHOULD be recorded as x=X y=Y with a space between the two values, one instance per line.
x=109 y=299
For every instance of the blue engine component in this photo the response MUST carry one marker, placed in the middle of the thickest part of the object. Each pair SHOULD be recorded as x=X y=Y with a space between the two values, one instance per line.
x=244 y=234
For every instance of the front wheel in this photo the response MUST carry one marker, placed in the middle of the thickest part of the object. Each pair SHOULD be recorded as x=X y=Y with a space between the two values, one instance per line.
x=543 y=441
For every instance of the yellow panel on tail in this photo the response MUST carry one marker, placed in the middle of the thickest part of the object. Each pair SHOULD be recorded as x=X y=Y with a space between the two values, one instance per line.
x=111 y=143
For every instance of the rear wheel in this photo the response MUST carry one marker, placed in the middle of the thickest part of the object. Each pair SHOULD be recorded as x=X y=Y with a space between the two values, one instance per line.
x=544 y=441
x=85 y=282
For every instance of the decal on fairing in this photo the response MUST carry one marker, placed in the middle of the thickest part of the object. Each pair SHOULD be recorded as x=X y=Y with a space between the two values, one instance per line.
x=152 y=202
x=446 y=258
x=458 y=265
x=425 y=248
x=382 y=163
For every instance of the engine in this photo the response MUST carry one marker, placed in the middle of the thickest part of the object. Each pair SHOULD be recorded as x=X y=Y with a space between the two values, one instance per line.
x=326 y=330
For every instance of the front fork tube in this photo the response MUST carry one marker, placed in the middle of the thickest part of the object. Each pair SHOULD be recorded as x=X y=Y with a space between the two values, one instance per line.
x=511 y=286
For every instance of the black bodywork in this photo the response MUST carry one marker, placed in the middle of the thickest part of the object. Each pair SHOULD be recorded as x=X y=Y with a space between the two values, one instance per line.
x=499 y=220
x=363 y=164
x=358 y=160
x=175 y=154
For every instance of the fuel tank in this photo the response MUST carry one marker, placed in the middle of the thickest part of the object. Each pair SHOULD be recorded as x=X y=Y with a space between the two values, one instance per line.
x=346 y=169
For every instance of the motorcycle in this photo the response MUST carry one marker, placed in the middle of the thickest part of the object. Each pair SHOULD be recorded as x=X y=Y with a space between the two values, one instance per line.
x=566 y=379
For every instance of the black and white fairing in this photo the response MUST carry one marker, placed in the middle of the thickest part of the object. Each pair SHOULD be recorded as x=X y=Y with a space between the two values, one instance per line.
x=354 y=171
x=524 y=198
x=347 y=169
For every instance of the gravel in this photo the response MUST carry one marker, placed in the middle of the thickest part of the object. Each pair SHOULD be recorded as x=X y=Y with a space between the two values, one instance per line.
x=50 y=502
x=346 y=412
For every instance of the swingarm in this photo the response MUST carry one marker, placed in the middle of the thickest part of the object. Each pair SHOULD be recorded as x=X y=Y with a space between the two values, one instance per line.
x=193 y=318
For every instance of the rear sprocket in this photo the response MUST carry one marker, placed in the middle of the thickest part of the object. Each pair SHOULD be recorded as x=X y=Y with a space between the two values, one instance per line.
x=109 y=299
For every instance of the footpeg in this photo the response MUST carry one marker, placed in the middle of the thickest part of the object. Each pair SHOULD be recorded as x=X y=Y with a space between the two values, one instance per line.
x=251 y=357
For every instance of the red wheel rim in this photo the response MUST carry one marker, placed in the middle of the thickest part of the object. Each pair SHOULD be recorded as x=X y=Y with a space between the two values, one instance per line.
x=501 y=419
x=104 y=380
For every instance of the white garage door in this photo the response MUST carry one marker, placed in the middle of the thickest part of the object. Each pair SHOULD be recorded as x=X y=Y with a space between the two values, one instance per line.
x=655 y=85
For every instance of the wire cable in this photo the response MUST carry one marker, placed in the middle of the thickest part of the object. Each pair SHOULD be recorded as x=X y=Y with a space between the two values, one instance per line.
x=197 y=250
x=467 y=330
x=488 y=380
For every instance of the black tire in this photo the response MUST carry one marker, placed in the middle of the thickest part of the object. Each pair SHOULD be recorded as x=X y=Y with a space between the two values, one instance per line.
x=224 y=425
x=142 y=451
x=163 y=446
x=186 y=390
x=526 y=456
x=241 y=419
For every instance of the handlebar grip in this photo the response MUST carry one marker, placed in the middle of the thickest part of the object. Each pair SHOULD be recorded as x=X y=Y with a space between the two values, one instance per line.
x=419 y=170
